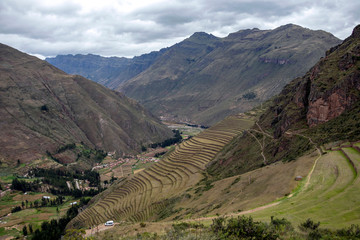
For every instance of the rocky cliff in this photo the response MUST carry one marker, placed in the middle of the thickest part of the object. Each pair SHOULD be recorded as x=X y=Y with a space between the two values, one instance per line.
x=330 y=87
x=322 y=106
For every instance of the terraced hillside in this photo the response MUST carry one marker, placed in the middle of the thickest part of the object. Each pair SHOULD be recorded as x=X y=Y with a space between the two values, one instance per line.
x=139 y=197
x=331 y=195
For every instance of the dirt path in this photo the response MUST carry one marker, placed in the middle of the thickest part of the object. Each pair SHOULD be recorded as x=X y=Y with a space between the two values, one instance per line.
x=99 y=228
x=320 y=152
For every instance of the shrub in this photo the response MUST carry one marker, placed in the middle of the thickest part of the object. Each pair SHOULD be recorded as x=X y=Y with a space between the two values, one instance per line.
x=44 y=108
x=242 y=228
x=309 y=225
x=16 y=209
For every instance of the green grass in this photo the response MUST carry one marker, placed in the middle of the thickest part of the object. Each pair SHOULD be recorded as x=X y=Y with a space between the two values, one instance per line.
x=12 y=232
x=331 y=197
x=141 y=165
x=7 y=178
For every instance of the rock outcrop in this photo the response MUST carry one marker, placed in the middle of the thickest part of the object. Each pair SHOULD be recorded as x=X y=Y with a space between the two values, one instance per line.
x=330 y=87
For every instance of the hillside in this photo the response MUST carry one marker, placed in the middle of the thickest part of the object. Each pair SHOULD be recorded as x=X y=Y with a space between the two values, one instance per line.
x=204 y=78
x=148 y=192
x=318 y=108
x=237 y=165
x=108 y=71
x=44 y=109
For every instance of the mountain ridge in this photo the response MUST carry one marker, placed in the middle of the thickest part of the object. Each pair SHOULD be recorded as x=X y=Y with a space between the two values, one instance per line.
x=43 y=108
x=208 y=84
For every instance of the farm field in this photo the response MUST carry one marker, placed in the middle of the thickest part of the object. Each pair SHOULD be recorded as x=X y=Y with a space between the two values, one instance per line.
x=12 y=223
x=146 y=192
x=331 y=197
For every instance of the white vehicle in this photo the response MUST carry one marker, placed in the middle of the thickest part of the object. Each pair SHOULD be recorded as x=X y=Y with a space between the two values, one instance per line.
x=109 y=223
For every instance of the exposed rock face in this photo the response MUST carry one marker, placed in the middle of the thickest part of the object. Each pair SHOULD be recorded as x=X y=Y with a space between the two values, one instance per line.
x=343 y=83
x=323 y=109
x=330 y=87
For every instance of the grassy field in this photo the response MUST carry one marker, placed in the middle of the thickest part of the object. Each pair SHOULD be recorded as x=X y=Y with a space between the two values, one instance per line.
x=12 y=223
x=332 y=196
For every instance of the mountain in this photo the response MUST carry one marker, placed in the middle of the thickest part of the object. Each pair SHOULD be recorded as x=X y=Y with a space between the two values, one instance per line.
x=43 y=109
x=204 y=78
x=198 y=177
x=110 y=72
x=318 y=108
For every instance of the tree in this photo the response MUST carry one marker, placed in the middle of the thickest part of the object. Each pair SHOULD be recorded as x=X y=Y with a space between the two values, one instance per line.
x=74 y=234
x=44 y=108
x=24 y=230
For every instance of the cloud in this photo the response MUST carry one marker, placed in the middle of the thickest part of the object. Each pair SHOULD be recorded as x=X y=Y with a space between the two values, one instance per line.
x=134 y=27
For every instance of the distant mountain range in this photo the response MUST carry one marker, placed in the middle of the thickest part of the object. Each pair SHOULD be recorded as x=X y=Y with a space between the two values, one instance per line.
x=320 y=107
x=205 y=78
x=43 y=109
x=108 y=71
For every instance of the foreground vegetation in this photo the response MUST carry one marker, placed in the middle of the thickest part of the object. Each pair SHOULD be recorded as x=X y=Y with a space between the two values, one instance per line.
x=241 y=227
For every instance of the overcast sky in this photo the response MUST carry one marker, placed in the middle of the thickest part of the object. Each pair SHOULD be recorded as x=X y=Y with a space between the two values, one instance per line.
x=133 y=27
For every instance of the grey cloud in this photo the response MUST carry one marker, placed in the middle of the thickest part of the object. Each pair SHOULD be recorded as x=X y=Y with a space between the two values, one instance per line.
x=107 y=28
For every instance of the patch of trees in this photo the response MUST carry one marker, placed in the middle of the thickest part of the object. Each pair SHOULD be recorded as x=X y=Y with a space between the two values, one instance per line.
x=249 y=95
x=159 y=154
x=25 y=186
x=58 y=177
x=16 y=209
x=76 y=193
x=196 y=126
x=44 y=202
x=99 y=155
x=170 y=141
x=44 y=108
x=53 y=229
x=82 y=151
x=69 y=146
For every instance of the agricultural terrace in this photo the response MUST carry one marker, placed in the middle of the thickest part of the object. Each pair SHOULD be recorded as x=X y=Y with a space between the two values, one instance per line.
x=331 y=195
x=144 y=193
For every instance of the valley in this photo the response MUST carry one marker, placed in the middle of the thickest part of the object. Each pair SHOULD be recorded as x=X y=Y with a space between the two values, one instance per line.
x=75 y=155
x=327 y=193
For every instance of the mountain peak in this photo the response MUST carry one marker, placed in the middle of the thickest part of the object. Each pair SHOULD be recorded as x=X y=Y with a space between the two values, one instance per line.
x=201 y=36
x=356 y=32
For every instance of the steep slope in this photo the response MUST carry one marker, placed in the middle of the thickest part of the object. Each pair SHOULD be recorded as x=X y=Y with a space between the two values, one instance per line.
x=110 y=72
x=204 y=78
x=320 y=107
x=174 y=188
x=142 y=196
x=42 y=109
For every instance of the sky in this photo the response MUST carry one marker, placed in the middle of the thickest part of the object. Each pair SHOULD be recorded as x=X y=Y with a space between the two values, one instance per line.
x=46 y=28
